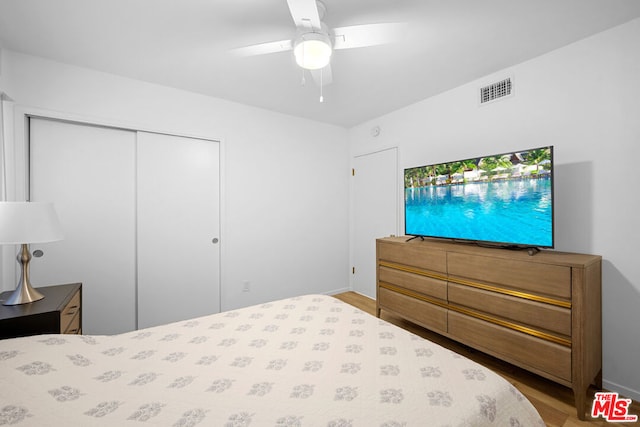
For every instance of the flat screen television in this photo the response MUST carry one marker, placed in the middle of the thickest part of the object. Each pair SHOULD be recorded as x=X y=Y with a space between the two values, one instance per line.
x=503 y=200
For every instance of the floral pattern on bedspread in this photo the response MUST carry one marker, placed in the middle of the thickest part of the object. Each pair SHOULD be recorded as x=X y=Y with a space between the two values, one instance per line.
x=305 y=361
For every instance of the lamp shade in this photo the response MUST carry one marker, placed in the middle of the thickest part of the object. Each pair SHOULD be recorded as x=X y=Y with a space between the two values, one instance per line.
x=28 y=222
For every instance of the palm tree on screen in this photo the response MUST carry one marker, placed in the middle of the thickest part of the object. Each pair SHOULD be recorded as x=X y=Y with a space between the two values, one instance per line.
x=537 y=157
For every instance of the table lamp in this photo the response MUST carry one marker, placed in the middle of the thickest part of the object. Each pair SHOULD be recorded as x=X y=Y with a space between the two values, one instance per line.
x=22 y=223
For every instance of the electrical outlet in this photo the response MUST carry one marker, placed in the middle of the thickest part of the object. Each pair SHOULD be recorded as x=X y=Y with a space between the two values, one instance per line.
x=246 y=286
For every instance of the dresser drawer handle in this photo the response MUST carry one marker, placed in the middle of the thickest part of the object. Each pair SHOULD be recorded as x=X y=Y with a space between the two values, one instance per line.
x=71 y=310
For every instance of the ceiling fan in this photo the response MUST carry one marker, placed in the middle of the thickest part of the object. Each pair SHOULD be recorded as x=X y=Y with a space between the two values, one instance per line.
x=314 y=42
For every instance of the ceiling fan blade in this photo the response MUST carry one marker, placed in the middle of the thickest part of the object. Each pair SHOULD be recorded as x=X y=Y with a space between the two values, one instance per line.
x=368 y=35
x=263 y=48
x=305 y=14
x=323 y=76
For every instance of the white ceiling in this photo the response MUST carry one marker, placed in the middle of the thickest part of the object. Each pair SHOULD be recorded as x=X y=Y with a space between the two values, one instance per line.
x=185 y=44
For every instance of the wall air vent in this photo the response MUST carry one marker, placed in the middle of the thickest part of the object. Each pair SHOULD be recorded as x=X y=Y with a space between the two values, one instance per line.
x=496 y=91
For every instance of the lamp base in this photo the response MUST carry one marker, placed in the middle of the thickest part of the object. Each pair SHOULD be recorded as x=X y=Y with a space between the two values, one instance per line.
x=24 y=293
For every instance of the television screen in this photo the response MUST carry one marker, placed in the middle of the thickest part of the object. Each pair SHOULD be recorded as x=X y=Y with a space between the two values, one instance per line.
x=504 y=199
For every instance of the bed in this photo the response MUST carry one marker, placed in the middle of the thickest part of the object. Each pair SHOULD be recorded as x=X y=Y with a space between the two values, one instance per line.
x=306 y=361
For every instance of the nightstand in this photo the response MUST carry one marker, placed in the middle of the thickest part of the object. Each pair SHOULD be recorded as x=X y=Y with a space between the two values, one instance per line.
x=60 y=312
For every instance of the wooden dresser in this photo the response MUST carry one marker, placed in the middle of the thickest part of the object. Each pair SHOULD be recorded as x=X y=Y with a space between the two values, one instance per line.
x=540 y=312
x=59 y=312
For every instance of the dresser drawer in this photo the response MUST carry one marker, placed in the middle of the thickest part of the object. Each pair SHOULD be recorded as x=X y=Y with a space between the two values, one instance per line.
x=414 y=254
x=70 y=316
x=538 y=355
x=534 y=277
x=74 y=326
x=420 y=312
x=532 y=313
x=425 y=285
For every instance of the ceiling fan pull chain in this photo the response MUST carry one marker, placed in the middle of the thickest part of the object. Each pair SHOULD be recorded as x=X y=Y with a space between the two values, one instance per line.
x=321 y=97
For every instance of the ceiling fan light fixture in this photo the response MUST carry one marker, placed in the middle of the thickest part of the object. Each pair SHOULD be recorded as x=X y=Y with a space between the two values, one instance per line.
x=313 y=50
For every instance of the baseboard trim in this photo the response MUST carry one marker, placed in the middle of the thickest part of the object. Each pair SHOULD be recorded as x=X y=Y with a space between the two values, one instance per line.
x=622 y=390
x=337 y=291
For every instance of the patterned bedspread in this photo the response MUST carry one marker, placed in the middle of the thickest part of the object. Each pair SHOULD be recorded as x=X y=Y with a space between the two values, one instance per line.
x=305 y=361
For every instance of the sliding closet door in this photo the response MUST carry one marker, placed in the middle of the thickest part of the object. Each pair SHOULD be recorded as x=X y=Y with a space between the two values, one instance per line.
x=178 y=228
x=89 y=174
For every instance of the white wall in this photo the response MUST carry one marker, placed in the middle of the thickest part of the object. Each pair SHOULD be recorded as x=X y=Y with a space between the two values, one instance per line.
x=6 y=262
x=285 y=180
x=585 y=100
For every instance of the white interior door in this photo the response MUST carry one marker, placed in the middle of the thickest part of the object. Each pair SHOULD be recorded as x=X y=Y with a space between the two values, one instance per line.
x=88 y=172
x=375 y=213
x=178 y=228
